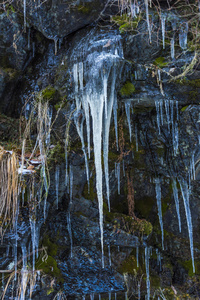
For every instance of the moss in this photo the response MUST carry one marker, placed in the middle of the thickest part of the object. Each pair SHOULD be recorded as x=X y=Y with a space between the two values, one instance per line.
x=125 y=23
x=187 y=264
x=155 y=281
x=49 y=266
x=91 y=195
x=56 y=154
x=85 y=9
x=160 y=62
x=52 y=248
x=49 y=291
x=129 y=224
x=193 y=83
x=49 y=94
x=184 y=108
x=129 y=265
x=127 y=89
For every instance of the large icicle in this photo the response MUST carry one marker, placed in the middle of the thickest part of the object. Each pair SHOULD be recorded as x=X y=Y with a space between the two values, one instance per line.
x=97 y=99
x=79 y=119
x=159 y=205
x=175 y=193
x=186 y=194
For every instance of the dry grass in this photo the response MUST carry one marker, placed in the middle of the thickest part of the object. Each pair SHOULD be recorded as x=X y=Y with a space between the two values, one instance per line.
x=8 y=188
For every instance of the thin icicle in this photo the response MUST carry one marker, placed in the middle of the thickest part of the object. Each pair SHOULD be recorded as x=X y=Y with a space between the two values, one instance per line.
x=167 y=113
x=117 y=175
x=158 y=114
x=163 y=18
x=136 y=137
x=70 y=233
x=71 y=182
x=24 y=15
x=137 y=256
x=147 y=272
x=115 y=107
x=109 y=255
x=183 y=36
x=147 y=18
x=172 y=48
x=176 y=199
x=128 y=115
x=186 y=194
x=57 y=175
x=159 y=205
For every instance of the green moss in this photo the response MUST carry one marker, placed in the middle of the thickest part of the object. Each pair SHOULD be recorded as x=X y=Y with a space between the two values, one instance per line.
x=184 y=108
x=49 y=291
x=56 y=154
x=160 y=62
x=52 y=248
x=155 y=281
x=91 y=195
x=85 y=9
x=127 y=89
x=125 y=23
x=49 y=266
x=129 y=265
x=129 y=224
x=49 y=94
x=193 y=83
x=187 y=264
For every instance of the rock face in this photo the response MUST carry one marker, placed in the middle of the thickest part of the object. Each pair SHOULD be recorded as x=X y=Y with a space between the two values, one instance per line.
x=58 y=18
x=152 y=228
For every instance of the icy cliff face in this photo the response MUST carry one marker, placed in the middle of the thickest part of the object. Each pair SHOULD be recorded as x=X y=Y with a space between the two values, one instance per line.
x=122 y=145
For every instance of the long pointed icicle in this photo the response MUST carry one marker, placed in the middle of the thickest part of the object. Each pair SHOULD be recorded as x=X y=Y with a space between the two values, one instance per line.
x=159 y=205
x=185 y=194
x=175 y=193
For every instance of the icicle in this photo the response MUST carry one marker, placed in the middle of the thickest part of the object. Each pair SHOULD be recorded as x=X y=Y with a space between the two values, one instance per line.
x=109 y=295
x=106 y=131
x=33 y=239
x=115 y=107
x=136 y=137
x=167 y=113
x=138 y=290
x=29 y=39
x=177 y=115
x=71 y=182
x=99 y=296
x=159 y=205
x=172 y=48
x=158 y=114
x=186 y=194
x=127 y=109
x=109 y=255
x=117 y=175
x=147 y=18
x=57 y=175
x=66 y=163
x=137 y=256
x=24 y=15
x=175 y=138
x=163 y=18
x=175 y=193
x=183 y=36
x=161 y=111
x=115 y=296
x=135 y=75
x=147 y=272
x=79 y=120
x=70 y=233
x=126 y=296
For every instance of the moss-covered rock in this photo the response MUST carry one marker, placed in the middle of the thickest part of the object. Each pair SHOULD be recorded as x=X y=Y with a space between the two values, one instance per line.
x=127 y=89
